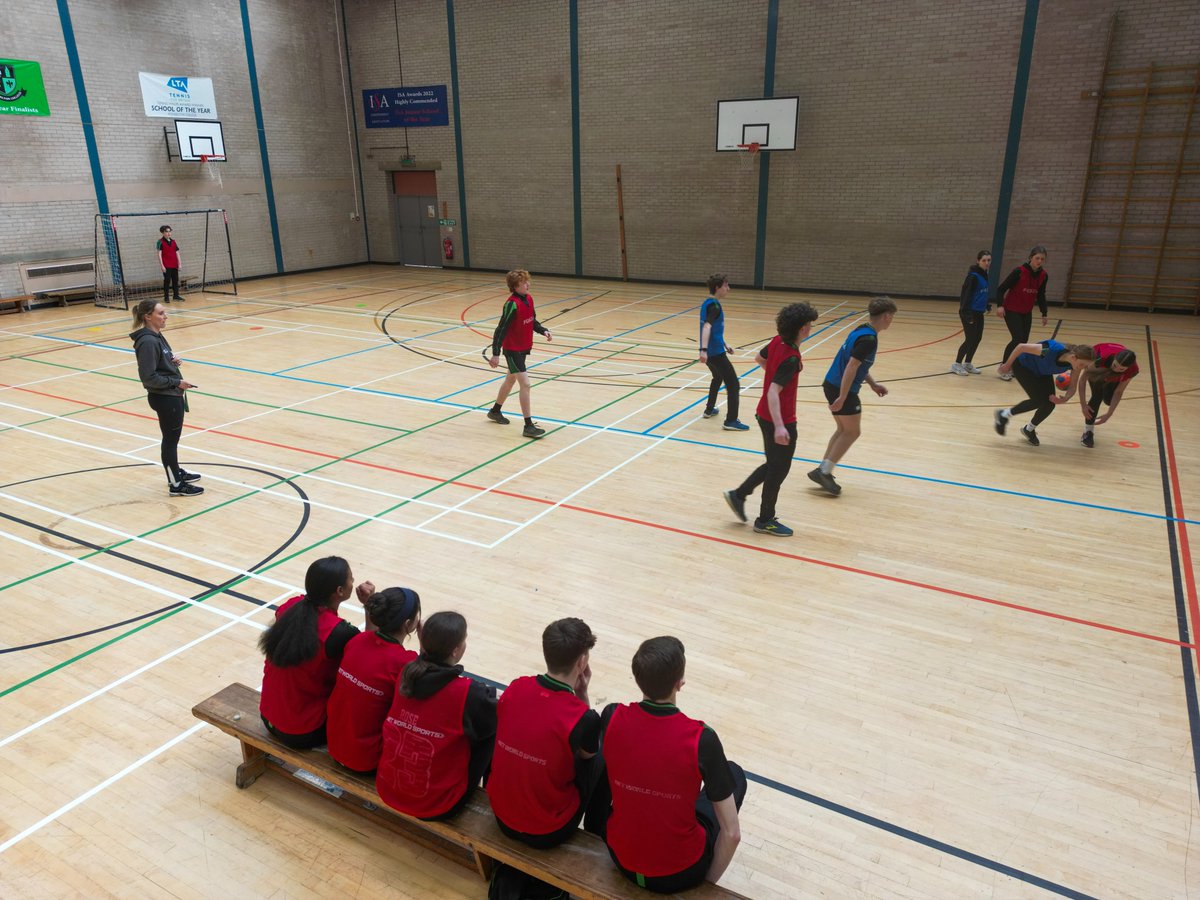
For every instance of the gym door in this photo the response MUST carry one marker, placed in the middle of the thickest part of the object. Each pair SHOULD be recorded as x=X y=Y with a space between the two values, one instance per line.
x=417 y=228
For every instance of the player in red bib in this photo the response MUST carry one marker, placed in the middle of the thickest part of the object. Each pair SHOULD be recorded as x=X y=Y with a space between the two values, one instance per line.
x=437 y=737
x=515 y=335
x=776 y=416
x=1024 y=286
x=545 y=767
x=366 y=679
x=168 y=261
x=664 y=832
x=1107 y=378
x=303 y=647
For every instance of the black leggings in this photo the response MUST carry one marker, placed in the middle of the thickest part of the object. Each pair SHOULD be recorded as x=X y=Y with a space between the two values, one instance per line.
x=1097 y=394
x=170 y=280
x=972 y=323
x=170 y=423
x=1040 y=389
x=723 y=373
x=771 y=473
x=296 y=741
x=1019 y=326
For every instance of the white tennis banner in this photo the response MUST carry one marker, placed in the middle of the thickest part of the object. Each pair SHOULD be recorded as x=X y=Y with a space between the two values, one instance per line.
x=178 y=96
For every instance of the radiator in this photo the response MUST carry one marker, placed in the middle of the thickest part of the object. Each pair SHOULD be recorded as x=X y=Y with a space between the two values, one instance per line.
x=57 y=275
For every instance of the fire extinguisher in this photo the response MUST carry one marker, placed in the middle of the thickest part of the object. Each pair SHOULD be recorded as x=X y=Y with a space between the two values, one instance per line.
x=448 y=247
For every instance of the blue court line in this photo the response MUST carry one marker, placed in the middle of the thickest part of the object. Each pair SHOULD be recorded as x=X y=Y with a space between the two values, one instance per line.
x=629 y=432
x=393 y=341
x=657 y=425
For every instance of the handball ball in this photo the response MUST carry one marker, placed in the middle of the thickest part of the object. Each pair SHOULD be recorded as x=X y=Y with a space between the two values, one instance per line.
x=1062 y=380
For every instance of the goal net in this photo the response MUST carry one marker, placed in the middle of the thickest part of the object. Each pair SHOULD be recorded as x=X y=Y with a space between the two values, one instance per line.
x=127 y=262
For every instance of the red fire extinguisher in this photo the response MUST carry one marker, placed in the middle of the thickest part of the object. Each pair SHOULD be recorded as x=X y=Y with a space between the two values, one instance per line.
x=448 y=247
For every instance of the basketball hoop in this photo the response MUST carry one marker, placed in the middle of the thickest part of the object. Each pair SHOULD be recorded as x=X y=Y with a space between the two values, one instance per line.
x=214 y=171
x=748 y=153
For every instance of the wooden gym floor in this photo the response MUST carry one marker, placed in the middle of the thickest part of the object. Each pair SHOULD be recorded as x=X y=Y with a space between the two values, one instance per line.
x=972 y=674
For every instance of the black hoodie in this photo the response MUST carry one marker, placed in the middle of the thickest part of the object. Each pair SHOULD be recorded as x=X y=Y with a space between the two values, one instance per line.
x=156 y=366
x=479 y=712
x=970 y=286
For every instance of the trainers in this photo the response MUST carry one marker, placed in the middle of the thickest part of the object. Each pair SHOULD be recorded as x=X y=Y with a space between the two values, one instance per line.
x=737 y=504
x=1030 y=435
x=1001 y=421
x=972 y=369
x=735 y=425
x=1088 y=439
x=183 y=489
x=959 y=369
x=825 y=480
x=1006 y=376
x=533 y=431
x=774 y=527
x=709 y=413
x=177 y=297
x=496 y=416
x=184 y=475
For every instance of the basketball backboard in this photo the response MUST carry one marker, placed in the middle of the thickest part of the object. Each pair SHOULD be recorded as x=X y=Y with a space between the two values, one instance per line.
x=770 y=123
x=197 y=139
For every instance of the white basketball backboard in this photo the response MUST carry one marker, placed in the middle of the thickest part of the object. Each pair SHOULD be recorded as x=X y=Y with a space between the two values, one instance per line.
x=198 y=139
x=770 y=123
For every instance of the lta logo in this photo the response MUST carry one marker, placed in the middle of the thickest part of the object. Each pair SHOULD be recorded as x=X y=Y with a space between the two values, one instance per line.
x=178 y=83
x=8 y=84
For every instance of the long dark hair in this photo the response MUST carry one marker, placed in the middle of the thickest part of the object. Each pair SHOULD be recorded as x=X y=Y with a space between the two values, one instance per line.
x=292 y=638
x=440 y=635
x=393 y=609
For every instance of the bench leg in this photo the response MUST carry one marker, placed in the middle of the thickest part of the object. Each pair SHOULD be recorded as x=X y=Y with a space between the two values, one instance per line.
x=483 y=865
x=254 y=765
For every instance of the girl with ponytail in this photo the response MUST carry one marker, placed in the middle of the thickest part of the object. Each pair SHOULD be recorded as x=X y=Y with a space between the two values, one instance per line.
x=302 y=648
x=438 y=735
x=367 y=678
x=1035 y=367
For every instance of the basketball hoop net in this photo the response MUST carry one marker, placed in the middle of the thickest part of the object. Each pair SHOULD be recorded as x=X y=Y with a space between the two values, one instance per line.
x=748 y=153
x=214 y=172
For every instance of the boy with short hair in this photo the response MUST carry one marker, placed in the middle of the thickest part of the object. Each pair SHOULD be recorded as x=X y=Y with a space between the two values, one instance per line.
x=776 y=415
x=545 y=767
x=515 y=335
x=714 y=353
x=850 y=368
x=168 y=261
x=665 y=833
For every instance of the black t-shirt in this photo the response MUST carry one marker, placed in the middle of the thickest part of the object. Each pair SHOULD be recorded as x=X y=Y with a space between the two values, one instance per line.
x=788 y=369
x=864 y=347
x=714 y=767
x=335 y=644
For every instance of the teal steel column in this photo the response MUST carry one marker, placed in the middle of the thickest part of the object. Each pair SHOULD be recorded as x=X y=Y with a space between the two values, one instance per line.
x=575 y=171
x=462 y=177
x=362 y=191
x=85 y=111
x=262 y=137
x=764 y=159
x=1015 y=117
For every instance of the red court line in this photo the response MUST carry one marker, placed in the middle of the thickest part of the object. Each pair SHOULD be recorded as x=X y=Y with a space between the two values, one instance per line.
x=853 y=570
x=1185 y=553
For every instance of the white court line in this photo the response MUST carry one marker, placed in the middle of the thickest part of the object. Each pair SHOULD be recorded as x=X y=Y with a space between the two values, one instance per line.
x=101 y=691
x=87 y=795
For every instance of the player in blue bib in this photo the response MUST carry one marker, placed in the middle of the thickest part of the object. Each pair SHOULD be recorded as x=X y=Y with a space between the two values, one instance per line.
x=714 y=353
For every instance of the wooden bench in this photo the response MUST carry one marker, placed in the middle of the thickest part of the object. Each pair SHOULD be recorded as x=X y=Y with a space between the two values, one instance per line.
x=66 y=295
x=18 y=302
x=581 y=866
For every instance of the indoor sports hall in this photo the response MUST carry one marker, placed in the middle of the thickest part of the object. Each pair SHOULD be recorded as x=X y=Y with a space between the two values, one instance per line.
x=973 y=673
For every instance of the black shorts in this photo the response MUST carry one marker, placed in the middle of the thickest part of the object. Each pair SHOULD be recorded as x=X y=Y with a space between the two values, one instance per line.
x=515 y=360
x=852 y=406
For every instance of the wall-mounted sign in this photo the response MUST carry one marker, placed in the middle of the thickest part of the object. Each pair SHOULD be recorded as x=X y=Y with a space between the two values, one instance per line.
x=178 y=96
x=22 y=92
x=406 y=107
x=448 y=223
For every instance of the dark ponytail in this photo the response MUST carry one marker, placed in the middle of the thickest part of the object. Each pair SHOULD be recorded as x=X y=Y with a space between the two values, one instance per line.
x=391 y=609
x=292 y=638
x=440 y=635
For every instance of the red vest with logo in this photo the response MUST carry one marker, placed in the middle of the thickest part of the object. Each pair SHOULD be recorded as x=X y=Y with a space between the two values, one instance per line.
x=170 y=253
x=1104 y=355
x=423 y=769
x=532 y=785
x=519 y=337
x=293 y=699
x=362 y=695
x=654 y=770
x=777 y=351
x=1022 y=296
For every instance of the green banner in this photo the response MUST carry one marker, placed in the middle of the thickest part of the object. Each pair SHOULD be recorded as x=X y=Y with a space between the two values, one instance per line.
x=21 y=90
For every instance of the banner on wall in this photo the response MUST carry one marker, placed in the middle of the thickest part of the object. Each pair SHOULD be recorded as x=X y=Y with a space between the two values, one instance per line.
x=406 y=107
x=22 y=92
x=178 y=96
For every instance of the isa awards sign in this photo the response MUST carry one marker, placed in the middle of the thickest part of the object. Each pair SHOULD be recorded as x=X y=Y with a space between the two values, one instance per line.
x=21 y=90
x=178 y=96
x=406 y=107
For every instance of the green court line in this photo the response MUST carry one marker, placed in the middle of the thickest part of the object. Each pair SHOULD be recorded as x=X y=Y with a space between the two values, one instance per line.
x=80 y=411
x=242 y=579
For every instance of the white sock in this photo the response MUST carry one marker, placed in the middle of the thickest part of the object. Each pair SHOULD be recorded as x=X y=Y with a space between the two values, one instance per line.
x=826 y=466
x=1031 y=428
x=1088 y=427
x=1006 y=413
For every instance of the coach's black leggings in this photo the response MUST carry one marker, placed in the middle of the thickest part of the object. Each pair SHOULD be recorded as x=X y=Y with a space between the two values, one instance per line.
x=1040 y=389
x=1019 y=326
x=170 y=423
x=772 y=473
x=723 y=373
x=972 y=323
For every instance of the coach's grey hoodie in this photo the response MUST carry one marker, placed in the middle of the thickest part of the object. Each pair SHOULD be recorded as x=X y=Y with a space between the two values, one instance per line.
x=158 y=372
